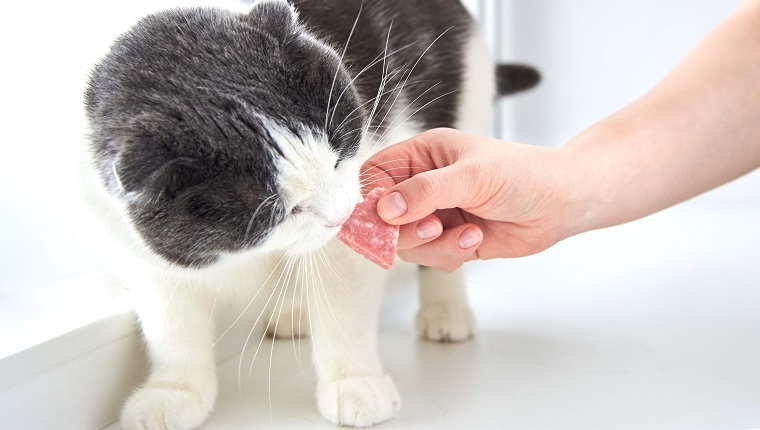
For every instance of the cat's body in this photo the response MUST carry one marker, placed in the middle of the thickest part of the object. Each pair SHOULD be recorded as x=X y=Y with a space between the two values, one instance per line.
x=229 y=146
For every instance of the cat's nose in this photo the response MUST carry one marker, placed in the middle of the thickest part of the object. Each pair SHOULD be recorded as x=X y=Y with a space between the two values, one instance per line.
x=336 y=222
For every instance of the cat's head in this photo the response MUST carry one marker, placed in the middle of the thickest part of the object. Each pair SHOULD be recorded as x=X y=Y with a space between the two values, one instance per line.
x=214 y=129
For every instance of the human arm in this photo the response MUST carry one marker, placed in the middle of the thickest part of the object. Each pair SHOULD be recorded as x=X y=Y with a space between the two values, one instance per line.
x=697 y=129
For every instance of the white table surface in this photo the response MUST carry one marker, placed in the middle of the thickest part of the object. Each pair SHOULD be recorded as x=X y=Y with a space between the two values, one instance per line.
x=651 y=325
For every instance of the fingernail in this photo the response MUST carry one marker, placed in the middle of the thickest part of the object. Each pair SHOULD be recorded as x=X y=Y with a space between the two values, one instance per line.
x=470 y=238
x=428 y=228
x=391 y=206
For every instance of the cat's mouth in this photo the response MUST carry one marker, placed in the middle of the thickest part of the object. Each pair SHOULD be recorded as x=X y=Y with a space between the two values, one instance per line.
x=306 y=234
x=338 y=223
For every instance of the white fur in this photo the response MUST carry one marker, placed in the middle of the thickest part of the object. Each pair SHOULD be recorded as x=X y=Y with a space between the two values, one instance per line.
x=325 y=194
x=478 y=88
x=177 y=306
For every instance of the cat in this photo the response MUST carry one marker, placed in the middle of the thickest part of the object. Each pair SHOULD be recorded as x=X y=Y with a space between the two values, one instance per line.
x=228 y=148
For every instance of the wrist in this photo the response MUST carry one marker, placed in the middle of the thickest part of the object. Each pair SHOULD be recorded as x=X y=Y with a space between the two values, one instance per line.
x=583 y=187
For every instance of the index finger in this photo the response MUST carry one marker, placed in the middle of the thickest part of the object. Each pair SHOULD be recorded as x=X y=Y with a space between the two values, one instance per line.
x=393 y=165
x=405 y=159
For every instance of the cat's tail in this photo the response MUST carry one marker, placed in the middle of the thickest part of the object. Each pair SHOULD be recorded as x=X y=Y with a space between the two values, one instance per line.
x=512 y=78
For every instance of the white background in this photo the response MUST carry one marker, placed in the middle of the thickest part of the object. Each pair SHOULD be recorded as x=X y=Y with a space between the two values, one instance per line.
x=646 y=324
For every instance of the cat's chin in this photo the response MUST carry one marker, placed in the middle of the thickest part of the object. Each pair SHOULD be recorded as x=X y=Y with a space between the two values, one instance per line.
x=311 y=241
x=300 y=235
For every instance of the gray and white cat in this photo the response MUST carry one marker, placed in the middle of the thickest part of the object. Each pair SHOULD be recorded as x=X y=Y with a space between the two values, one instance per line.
x=228 y=148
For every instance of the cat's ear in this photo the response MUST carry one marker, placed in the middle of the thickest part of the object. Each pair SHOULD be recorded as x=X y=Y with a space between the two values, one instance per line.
x=153 y=174
x=279 y=17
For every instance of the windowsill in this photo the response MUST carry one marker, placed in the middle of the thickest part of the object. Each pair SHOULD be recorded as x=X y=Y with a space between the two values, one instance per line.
x=73 y=348
x=52 y=311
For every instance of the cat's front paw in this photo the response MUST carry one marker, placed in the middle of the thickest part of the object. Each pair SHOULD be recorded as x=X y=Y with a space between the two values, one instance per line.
x=360 y=401
x=165 y=408
x=446 y=322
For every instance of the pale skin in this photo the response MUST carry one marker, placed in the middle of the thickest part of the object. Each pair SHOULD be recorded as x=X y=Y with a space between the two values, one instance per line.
x=459 y=197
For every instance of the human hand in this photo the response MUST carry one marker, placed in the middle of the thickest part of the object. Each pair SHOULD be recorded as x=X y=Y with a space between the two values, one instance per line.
x=459 y=197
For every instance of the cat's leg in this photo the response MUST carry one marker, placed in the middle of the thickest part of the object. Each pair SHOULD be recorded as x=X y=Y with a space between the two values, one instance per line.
x=343 y=308
x=444 y=314
x=175 y=316
x=288 y=317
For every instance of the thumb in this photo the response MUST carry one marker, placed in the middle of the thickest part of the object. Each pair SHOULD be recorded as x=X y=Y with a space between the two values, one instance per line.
x=424 y=193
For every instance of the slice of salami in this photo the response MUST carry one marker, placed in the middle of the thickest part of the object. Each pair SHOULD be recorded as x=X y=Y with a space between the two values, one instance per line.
x=366 y=233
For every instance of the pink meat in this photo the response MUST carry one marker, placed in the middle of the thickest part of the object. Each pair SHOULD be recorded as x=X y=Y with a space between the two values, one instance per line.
x=366 y=233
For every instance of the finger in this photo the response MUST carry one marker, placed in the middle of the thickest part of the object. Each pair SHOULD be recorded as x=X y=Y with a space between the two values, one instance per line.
x=418 y=233
x=397 y=163
x=394 y=164
x=445 y=188
x=452 y=248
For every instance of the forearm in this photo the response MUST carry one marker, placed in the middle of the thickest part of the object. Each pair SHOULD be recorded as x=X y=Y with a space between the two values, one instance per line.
x=699 y=128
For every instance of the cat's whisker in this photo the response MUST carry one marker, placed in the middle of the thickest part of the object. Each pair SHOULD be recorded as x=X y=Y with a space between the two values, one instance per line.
x=253 y=327
x=396 y=168
x=255 y=213
x=390 y=129
x=340 y=63
x=359 y=130
x=384 y=162
x=213 y=307
x=292 y=314
x=274 y=334
x=171 y=296
x=311 y=324
x=412 y=71
x=367 y=182
x=344 y=283
x=378 y=142
x=372 y=64
x=331 y=267
x=415 y=112
x=281 y=295
x=393 y=168
x=317 y=304
x=329 y=256
x=383 y=78
x=369 y=125
x=361 y=72
x=300 y=312
x=329 y=306
x=401 y=69
x=384 y=92
x=250 y=302
x=336 y=276
x=351 y=115
x=364 y=129
x=400 y=85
